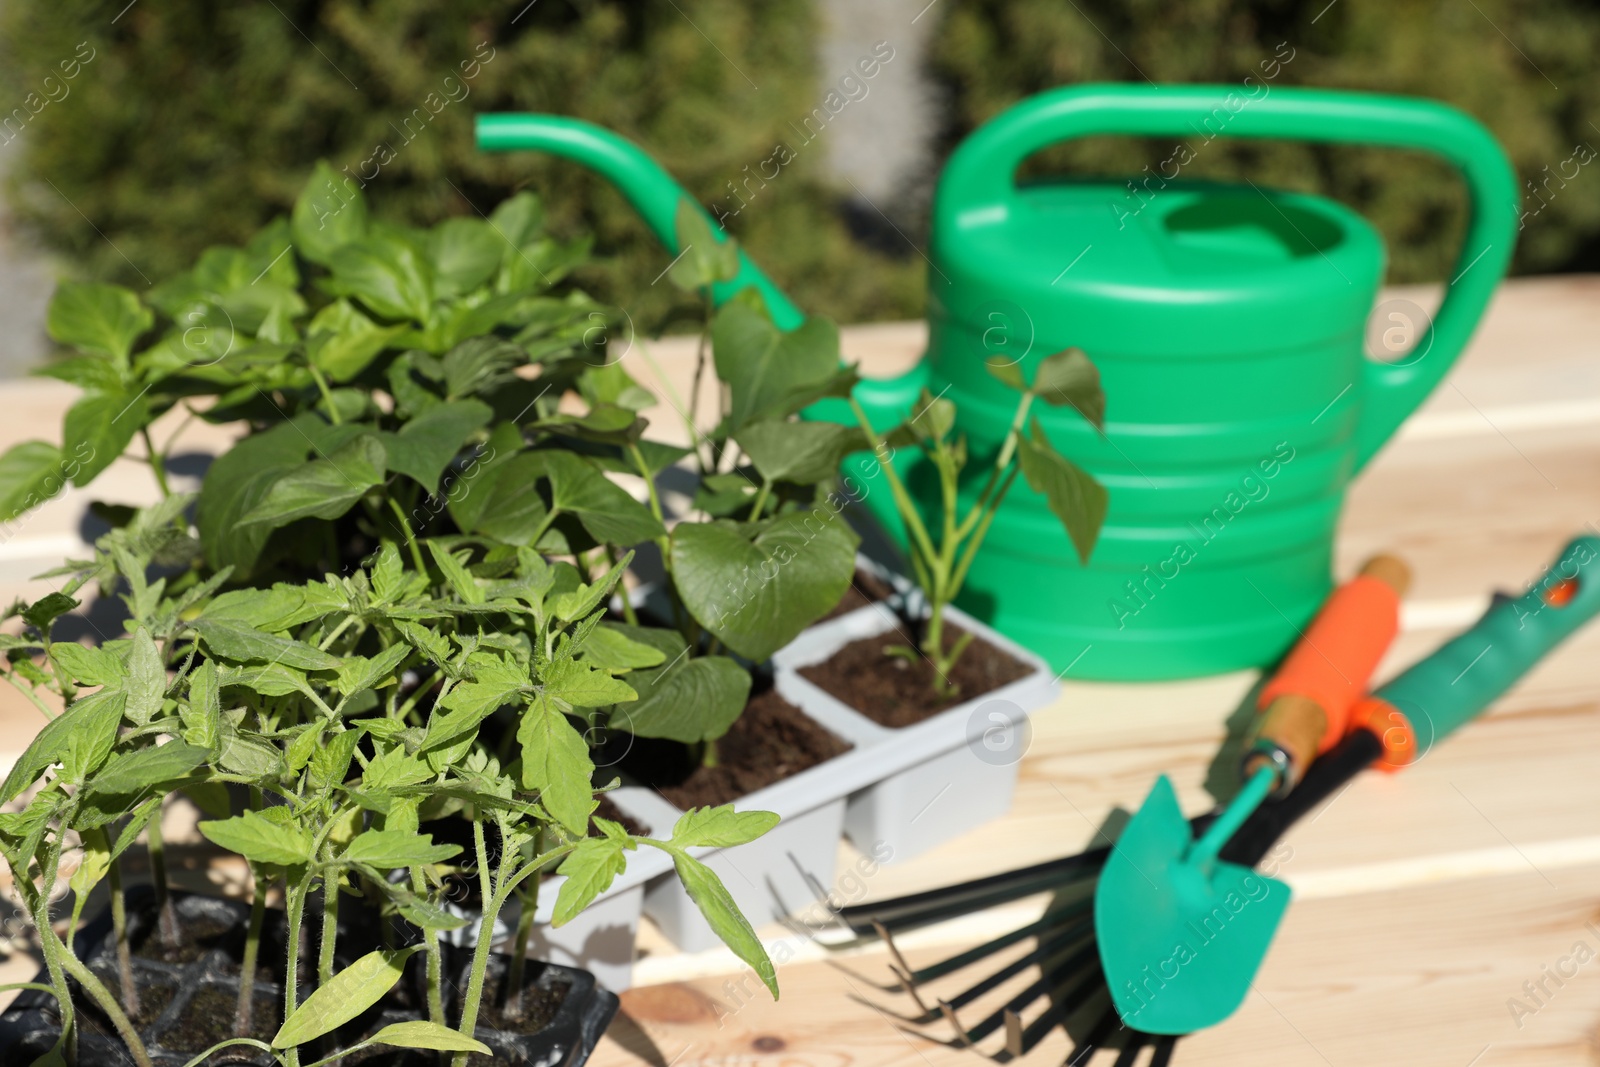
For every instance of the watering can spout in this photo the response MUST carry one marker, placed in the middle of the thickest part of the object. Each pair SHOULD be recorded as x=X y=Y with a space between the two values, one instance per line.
x=649 y=188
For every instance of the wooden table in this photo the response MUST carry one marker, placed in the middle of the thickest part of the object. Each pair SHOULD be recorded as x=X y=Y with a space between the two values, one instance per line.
x=1425 y=900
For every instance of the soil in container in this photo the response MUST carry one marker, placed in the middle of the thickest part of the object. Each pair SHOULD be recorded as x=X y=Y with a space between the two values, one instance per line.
x=864 y=589
x=895 y=692
x=772 y=740
x=197 y=935
x=155 y=993
x=208 y=1019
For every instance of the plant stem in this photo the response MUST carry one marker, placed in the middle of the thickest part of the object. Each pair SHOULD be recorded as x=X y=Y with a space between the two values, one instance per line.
x=119 y=927
x=902 y=499
x=244 y=1015
x=492 y=903
x=519 y=947
x=157 y=461
x=761 y=500
x=699 y=374
x=330 y=926
x=411 y=538
x=327 y=394
x=38 y=905
x=108 y=1003
x=166 y=912
x=434 y=956
x=294 y=909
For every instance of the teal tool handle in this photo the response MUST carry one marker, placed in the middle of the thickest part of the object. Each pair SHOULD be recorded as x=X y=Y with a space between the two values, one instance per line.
x=650 y=189
x=1469 y=672
x=979 y=184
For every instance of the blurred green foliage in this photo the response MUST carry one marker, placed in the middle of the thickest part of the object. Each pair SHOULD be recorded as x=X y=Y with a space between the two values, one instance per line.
x=1522 y=67
x=196 y=122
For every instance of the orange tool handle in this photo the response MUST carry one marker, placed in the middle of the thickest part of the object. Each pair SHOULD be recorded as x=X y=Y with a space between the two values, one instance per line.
x=1306 y=705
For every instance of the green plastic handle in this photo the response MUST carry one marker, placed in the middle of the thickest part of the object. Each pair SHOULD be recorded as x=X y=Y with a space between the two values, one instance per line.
x=979 y=181
x=649 y=188
x=1469 y=672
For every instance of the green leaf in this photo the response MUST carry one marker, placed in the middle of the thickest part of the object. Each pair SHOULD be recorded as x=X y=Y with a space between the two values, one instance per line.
x=589 y=869
x=704 y=259
x=800 y=452
x=329 y=213
x=147 y=678
x=474 y=490
x=465 y=253
x=935 y=417
x=236 y=641
x=426 y=444
x=237 y=482
x=764 y=366
x=330 y=761
x=715 y=903
x=394 y=769
x=345 y=996
x=88 y=745
x=583 y=686
x=1067 y=378
x=92 y=374
x=89 y=666
x=1073 y=495
x=495 y=683
x=384 y=272
x=30 y=473
x=516 y=511
x=97 y=318
x=456 y=575
x=358 y=672
x=757 y=594
x=202 y=715
x=689 y=700
x=259 y=839
x=342 y=342
x=419 y=1033
x=148 y=768
x=94 y=718
x=516 y=222
x=98 y=428
x=478 y=364
x=388 y=849
x=1007 y=371
x=720 y=827
x=323 y=488
x=555 y=761
x=610 y=648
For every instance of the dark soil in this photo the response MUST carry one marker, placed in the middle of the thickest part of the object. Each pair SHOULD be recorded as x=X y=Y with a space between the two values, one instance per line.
x=208 y=1019
x=155 y=993
x=895 y=692
x=769 y=742
x=609 y=810
x=864 y=589
x=539 y=1006
x=197 y=935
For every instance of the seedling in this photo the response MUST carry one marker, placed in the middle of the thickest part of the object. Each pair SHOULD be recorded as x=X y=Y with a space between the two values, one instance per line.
x=943 y=545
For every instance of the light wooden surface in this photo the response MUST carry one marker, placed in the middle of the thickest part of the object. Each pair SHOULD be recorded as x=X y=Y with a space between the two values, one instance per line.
x=1424 y=900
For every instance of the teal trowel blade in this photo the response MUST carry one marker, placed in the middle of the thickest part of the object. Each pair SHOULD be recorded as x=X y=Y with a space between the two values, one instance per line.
x=1180 y=946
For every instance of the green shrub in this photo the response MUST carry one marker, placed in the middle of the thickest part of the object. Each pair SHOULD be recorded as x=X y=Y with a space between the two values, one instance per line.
x=195 y=123
x=1521 y=67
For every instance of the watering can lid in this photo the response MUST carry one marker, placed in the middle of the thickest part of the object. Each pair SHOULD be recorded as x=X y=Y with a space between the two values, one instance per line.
x=1178 y=267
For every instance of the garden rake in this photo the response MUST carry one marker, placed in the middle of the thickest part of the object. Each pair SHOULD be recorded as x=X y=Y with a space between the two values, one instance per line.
x=1096 y=971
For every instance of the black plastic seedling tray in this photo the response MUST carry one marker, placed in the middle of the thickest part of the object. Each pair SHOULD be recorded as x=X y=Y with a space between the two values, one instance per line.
x=189 y=995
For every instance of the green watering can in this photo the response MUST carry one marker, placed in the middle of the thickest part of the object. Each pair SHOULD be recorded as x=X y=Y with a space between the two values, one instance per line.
x=1227 y=322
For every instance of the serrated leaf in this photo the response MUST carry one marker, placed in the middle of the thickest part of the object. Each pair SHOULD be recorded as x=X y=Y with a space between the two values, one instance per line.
x=610 y=648
x=344 y=996
x=146 y=683
x=236 y=641
x=555 y=761
x=388 y=849
x=358 y=672
x=720 y=827
x=89 y=666
x=30 y=473
x=580 y=685
x=1074 y=497
x=260 y=839
x=88 y=744
x=147 y=768
x=723 y=915
x=202 y=714
x=589 y=870
x=99 y=318
x=394 y=769
x=42 y=612
x=330 y=762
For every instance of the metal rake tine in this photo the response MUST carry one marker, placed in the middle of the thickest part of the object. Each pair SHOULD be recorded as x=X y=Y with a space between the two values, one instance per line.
x=961 y=1033
x=1067 y=1001
x=1163 y=1053
x=1013 y=1023
x=1101 y=1031
x=1049 y=980
x=897 y=961
x=972 y=955
x=927 y=916
x=1044 y=951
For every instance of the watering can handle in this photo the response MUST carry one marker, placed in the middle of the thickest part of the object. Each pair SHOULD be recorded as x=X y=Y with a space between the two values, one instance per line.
x=648 y=187
x=979 y=182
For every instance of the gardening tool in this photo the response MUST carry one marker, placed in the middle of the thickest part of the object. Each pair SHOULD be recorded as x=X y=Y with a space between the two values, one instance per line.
x=1091 y=946
x=1227 y=325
